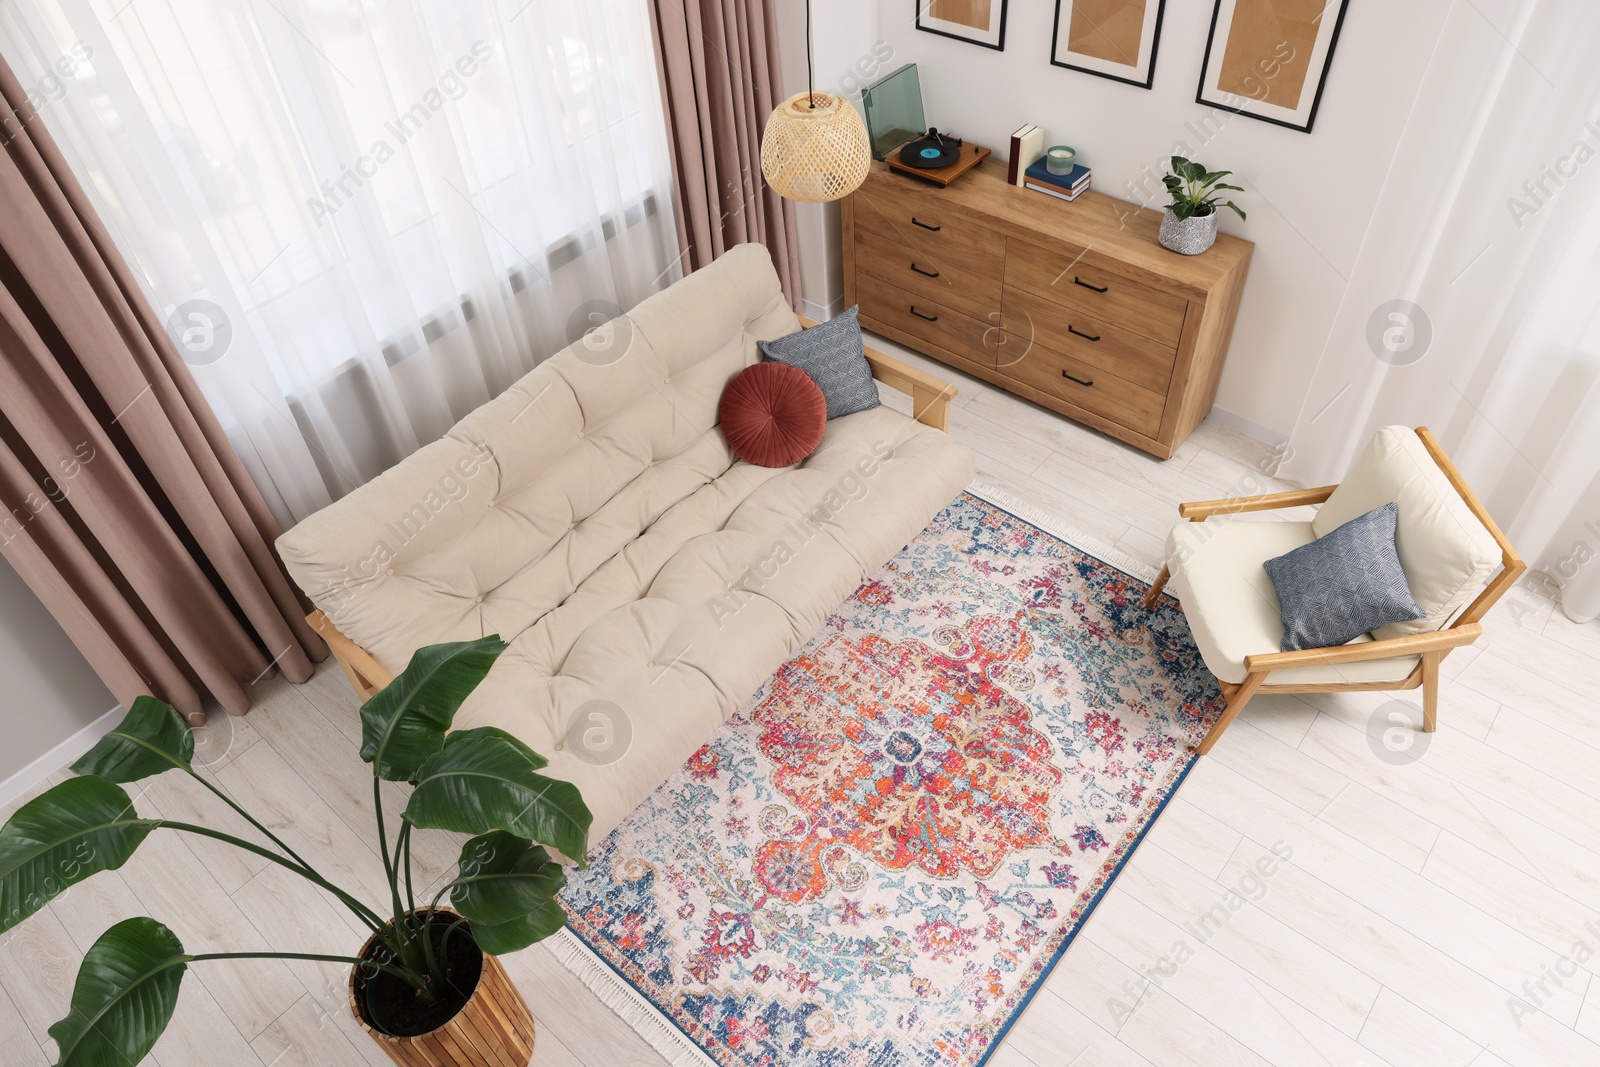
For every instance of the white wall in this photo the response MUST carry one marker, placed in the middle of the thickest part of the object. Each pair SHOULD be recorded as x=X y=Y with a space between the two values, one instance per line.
x=50 y=694
x=1309 y=197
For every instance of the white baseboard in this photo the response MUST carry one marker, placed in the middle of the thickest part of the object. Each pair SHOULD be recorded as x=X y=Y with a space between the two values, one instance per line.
x=66 y=752
x=1249 y=427
x=821 y=312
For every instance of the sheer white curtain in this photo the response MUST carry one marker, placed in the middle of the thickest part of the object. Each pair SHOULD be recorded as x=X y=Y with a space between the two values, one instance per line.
x=363 y=217
x=1489 y=231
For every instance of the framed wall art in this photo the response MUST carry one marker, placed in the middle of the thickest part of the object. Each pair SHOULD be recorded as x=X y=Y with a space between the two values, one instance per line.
x=1269 y=58
x=976 y=21
x=1115 y=39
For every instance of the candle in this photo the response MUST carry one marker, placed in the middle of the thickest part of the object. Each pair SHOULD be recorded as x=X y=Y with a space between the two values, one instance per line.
x=1060 y=159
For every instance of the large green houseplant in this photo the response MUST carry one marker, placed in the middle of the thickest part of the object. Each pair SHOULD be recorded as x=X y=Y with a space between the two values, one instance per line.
x=423 y=961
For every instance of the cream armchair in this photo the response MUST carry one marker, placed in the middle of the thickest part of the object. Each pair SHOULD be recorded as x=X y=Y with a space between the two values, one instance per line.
x=1448 y=545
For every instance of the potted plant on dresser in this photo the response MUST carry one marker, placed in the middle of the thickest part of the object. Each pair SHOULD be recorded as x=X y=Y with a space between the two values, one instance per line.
x=426 y=985
x=1189 y=225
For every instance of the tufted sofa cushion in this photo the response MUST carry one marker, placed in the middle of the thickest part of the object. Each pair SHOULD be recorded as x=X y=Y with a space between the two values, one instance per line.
x=594 y=517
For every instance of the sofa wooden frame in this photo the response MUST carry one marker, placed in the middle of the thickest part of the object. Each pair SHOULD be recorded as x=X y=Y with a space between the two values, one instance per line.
x=930 y=405
x=930 y=397
x=1433 y=646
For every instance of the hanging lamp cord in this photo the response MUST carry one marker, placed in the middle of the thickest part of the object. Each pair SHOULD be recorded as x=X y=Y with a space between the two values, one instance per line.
x=811 y=92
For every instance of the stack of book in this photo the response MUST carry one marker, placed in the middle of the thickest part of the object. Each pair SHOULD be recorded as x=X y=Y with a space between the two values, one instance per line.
x=1067 y=186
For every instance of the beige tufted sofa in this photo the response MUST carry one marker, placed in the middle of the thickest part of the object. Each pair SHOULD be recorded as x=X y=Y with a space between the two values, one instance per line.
x=594 y=517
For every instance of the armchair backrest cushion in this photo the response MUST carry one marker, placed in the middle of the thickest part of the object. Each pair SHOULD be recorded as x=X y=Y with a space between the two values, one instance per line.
x=1448 y=555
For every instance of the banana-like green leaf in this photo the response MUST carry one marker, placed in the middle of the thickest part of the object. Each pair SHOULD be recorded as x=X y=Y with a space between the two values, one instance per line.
x=126 y=991
x=404 y=724
x=497 y=940
x=538 y=761
x=151 y=738
x=483 y=780
x=504 y=879
x=81 y=827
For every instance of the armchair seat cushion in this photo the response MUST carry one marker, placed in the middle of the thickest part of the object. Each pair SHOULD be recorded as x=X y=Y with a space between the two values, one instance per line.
x=1219 y=575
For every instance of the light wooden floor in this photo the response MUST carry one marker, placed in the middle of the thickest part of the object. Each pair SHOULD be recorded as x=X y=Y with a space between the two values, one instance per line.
x=1427 y=889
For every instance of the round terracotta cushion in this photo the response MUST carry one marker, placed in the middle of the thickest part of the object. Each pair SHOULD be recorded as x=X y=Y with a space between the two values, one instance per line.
x=773 y=414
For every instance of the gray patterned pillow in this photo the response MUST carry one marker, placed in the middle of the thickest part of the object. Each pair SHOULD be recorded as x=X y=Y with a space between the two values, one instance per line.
x=1344 y=584
x=834 y=355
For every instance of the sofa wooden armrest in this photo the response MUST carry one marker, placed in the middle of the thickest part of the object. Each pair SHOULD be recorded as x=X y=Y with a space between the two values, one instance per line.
x=1199 y=510
x=930 y=397
x=1409 y=645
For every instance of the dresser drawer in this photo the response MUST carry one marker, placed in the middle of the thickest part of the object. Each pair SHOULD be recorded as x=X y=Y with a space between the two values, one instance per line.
x=1068 y=275
x=974 y=340
x=1088 y=339
x=930 y=277
x=913 y=218
x=1090 y=388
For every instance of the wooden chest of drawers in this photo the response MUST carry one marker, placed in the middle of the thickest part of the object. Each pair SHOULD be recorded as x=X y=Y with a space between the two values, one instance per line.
x=1074 y=306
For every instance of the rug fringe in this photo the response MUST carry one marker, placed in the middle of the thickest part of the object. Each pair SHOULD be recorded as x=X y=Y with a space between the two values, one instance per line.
x=1062 y=528
x=631 y=1006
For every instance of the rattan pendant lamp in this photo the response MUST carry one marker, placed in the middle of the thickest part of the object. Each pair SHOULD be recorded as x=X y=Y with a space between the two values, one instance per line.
x=815 y=148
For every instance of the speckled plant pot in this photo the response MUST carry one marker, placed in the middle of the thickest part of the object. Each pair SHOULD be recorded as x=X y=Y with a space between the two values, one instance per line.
x=1189 y=236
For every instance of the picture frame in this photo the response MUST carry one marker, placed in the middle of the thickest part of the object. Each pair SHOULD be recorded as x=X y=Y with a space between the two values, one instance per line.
x=1269 y=59
x=1113 y=39
x=979 y=22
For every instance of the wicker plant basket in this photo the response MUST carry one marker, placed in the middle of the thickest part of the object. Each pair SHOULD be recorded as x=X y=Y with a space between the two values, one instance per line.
x=495 y=1029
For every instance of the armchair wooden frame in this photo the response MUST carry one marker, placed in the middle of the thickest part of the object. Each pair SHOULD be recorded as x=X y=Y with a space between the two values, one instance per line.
x=1433 y=646
x=930 y=405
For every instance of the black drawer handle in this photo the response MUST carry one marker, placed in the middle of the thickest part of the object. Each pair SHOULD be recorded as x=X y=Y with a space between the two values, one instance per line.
x=1086 y=336
x=920 y=315
x=918 y=222
x=925 y=273
x=1080 y=381
x=1086 y=285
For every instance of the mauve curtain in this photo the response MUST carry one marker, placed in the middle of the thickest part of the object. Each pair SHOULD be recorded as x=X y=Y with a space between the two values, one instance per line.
x=720 y=80
x=125 y=509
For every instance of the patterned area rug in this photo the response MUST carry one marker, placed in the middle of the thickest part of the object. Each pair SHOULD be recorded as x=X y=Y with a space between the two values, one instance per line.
x=879 y=858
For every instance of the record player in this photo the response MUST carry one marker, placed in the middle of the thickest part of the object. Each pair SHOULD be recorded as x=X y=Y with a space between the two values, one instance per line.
x=893 y=107
x=935 y=157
